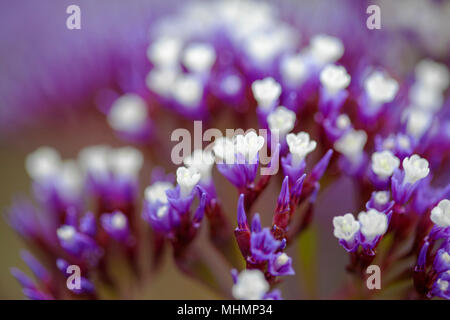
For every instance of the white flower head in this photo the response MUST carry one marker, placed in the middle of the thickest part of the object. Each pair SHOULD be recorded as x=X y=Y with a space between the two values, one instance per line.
x=266 y=92
x=43 y=163
x=119 y=220
x=433 y=74
x=300 y=146
x=380 y=87
x=249 y=145
x=384 y=163
x=427 y=98
x=293 y=69
x=381 y=197
x=94 y=160
x=418 y=122
x=326 y=49
x=345 y=227
x=250 y=285
x=343 y=122
x=128 y=113
x=161 y=81
x=282 y=120
x=66 y=233
x=334 y=78
x=126 y=162
x=415 y=168
x=188 y=90
x=352 y=144
x=440 y=214
x=373 y=223
x=165 y=51
x=224 y=149
x=157 y=192
x=187 y=179
x=202 y=161
x=199 y=57
x=70 y=179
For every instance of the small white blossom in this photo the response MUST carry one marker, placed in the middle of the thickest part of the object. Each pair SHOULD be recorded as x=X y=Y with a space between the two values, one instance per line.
x=418 y=122
x=380 y=87
x=282 y=259
x=70 y=179
x=281 y=120
x=224 y=149
x=126 y=162
x=334 y=78
x=352 y=144
x=426 y=98
x=157 y=192
x=249 y=145
x=118 y=220
x=326 y=49
x=202 y=161
x=165 y=51
x=415 y=168
x=128 y=113
x=43 y=163
x=161 y=81
x=293 y=69
x=94 y=160
x=199 y=57
x=188 y=90
x=343 y=122
x=345 y=227
x=381 y=197
x=300 y=146
x=373 y=223
x=266 y=92
x=384 y=163
x=187 y=178
x=162 y=211
x=66 y=233
x=433 y=74
x=250 y=285
x=440 y=214
x=443 y=284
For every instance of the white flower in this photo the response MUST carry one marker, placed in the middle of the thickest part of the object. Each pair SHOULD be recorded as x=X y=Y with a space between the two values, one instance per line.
x=161 y=81
x=165 y=51
x=426 y=98
x=266 y=92
x=443 y=284
x=334 y=78
x=70 y=180
x=128 y=113
x=199 y=57
x=343 y=122
x=381 y=197
x=94 y=160
x=202 y=161
x=249 y=145
x=281 y=120
x=43 y=163
x=345 y=227
x=118 y=220
x=373 y=223
x=440 y=214
x=282 y=259
x=352 y=144
x=326 y=49
x=250 y=285
x=157 y=192
x=418 y=123
x=188 y=90
x=432 y=74
x=415 y=168
x=126 y=162
x=380 y=87
x=224 y=149
x=384 y=163
x=66 y=233
x=300 y=146
x=187 y=178
x=293 y=69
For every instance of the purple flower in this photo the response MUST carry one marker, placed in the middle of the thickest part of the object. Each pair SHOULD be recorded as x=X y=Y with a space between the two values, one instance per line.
x=280 y=265
x=263 y=245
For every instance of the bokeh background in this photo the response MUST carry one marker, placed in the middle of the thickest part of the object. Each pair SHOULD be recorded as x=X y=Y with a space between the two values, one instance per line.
x=50 y=78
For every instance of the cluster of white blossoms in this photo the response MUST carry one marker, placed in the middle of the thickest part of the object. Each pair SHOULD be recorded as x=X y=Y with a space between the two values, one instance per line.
x=351 y=144
x=440 y=214
x=281 y=120
x=45 y=165
x=248 y=146
x=157 y=192
x=334 y=78
x=380 y=88
x=300 y=146
x=416 y=168
x=199 y=57
x=266 y=92
x=128 y=113
x=187 y=179
x=384 y=163
x=250 y=285
x=202 y=161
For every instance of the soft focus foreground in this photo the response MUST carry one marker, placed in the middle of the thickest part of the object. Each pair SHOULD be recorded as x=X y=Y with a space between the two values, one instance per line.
x=357 y=120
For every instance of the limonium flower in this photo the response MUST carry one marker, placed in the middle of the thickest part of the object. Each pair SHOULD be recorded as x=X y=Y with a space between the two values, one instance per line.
x=329 y=138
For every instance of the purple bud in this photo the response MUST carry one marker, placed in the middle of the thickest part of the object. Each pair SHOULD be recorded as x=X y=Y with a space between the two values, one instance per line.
x=319 y=169
x=273 y=295
x=241 y=215
x=280 y=265
x=24 y=280
x=198 y=216
x=256 y=223
x=284 y=197
x=116 y=225
x=38 y=269
x=422 y=260
x=263 y=245
x=88 y=224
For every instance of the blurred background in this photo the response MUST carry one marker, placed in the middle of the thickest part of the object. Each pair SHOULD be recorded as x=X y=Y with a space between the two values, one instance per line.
x=51 y=79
